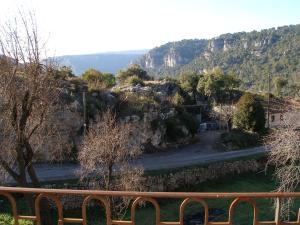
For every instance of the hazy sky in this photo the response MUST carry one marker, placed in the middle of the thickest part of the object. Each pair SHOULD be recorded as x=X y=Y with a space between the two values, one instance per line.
x=90 y=26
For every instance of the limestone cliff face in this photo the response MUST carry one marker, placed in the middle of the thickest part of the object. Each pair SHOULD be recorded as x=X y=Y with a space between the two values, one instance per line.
x=216 y=44
x=250 y=54
x=172 y=54
x=171 y=59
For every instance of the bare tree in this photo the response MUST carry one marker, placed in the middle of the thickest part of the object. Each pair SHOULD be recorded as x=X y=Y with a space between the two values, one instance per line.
x=29 y=99
x=106 y=159
x=29 y=102
x=225 y=114
x=284 y=145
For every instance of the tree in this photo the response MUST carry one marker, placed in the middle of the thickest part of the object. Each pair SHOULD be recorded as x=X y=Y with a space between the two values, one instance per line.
x=105 y=158
x=284 y=145
x=250 y=114
x=29 y=102
x=295 y=89
x=218 y=86
x=109 y=79
x=96 y=79
x=177 y=99
x=133 y=70
x=64 y=72
x=280 y=83
x=224 y=113
x=188 y=83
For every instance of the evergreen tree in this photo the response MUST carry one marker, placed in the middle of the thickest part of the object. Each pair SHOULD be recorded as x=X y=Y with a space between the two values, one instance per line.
x=250 y=114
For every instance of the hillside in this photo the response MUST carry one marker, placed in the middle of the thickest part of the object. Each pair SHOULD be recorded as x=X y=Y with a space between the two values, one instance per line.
x=251 y=55
x=106 y=62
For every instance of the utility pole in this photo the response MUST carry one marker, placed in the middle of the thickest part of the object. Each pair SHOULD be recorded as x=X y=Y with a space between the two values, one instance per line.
x=269 y=93
x=84 y=112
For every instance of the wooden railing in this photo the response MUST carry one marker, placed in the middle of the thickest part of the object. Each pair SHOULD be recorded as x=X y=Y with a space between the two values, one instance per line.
x=187 y=198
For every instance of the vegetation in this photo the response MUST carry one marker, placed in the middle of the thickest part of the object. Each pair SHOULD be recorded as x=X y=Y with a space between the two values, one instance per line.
x=253 y=56
x=250 y=114
x=134 y=80
x=177 y=99
x=29 y=102
x=98 y=80
x=64 y=73
x=240 y=139
x=188 y=83
x=284 y=145
x=280 y=83
x=133 y=71
x=218 y=86
x=7 y=219
x=105 y=157
x=36 y=94
x=230 y=183
x=30 y=91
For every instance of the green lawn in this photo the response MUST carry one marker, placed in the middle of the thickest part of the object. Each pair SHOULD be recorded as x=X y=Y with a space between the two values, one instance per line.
x=252 y=182
x=255 y=182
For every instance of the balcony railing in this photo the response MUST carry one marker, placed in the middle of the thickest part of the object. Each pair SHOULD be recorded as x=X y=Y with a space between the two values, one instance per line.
x=152 y=197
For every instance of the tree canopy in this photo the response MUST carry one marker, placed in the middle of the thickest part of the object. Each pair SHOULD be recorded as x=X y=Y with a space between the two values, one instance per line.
x=133 y=70
x=188 y=83
x=250 y=114
x=216 y=85
x=97 y=78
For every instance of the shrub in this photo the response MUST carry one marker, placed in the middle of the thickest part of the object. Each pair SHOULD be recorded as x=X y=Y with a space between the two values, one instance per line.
x=91 y=75
x=239 y=139
x=134 y=80
x=96 y=79
x=173 y=131
x=189 y=120
x=7 y=219
x=133 y=70
x=177 y=99
x=250 y=114
x=135 y=104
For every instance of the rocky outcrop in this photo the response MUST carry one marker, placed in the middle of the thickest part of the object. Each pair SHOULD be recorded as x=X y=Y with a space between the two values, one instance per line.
x=151 y=130
x=270 y=51
x=216 y=44
x=172 y=54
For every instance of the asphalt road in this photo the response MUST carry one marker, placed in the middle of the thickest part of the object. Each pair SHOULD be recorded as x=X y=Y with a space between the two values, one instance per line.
x=186 y=156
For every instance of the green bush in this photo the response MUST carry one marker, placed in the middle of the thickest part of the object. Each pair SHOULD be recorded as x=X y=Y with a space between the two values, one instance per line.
x=189 y=120
x=6 y=219
x=96 y=79
x=135 y=104
x=177 y=99
x=133 y=70
x=173 y=131
x=134 y=80
x=239 y=139
x=250 y=114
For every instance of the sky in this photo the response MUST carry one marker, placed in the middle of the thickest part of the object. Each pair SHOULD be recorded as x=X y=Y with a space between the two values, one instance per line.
x=91 y=26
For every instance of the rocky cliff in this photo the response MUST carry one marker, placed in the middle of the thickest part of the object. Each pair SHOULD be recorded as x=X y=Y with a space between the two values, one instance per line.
x=251 y=55
x=172 y=54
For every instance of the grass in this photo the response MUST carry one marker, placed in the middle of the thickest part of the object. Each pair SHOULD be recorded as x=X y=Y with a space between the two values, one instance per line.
x=243 y=213
x=250 y=182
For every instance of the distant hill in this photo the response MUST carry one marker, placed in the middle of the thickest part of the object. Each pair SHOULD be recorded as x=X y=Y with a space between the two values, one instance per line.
x=252 y=55
x=106 y=62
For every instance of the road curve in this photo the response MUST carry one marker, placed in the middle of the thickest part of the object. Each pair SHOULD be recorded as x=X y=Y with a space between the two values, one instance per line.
x=187 y=156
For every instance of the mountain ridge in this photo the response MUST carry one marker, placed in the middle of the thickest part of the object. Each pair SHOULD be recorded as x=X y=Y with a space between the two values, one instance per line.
x=110 y=62
x=251 y=55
